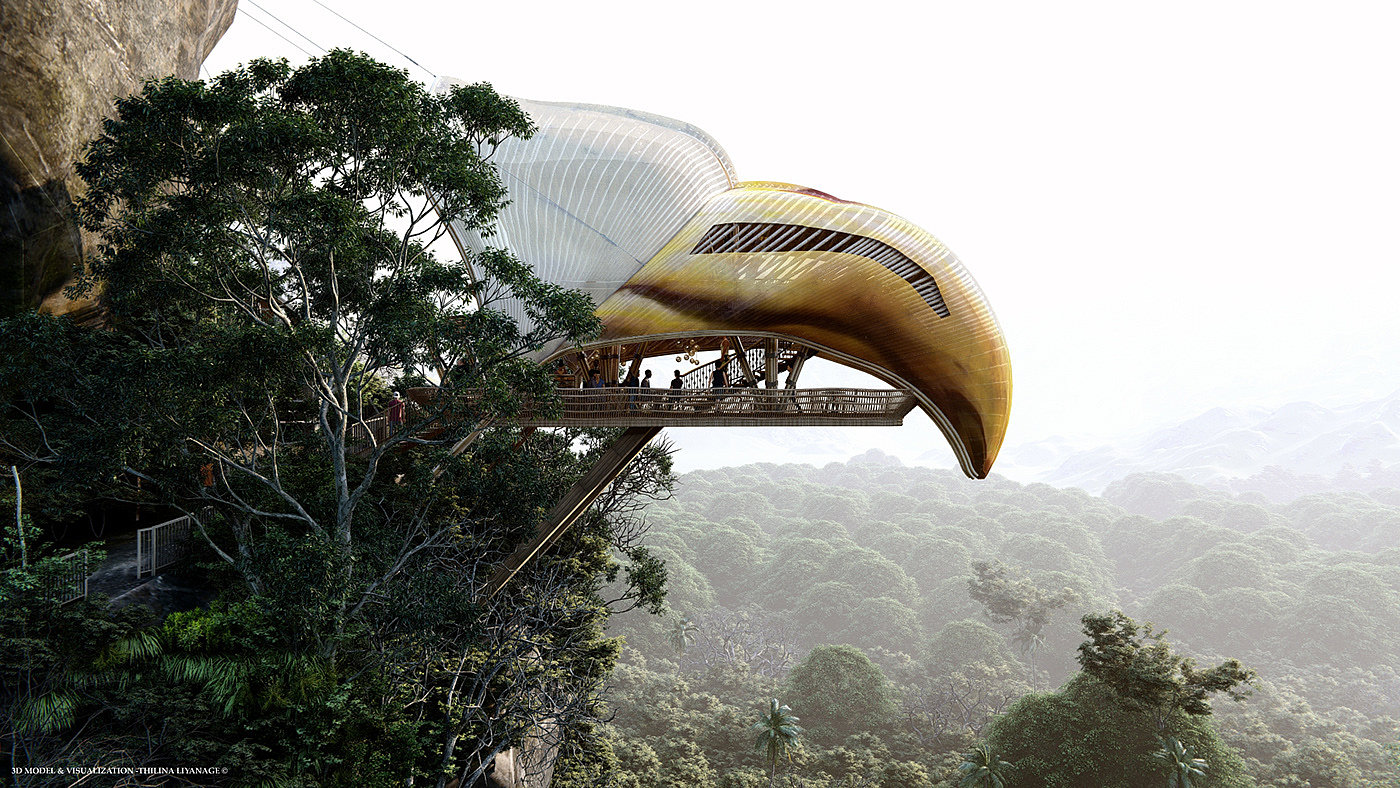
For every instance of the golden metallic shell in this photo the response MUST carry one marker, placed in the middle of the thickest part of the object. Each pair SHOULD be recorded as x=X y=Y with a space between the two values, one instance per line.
x=850 y=305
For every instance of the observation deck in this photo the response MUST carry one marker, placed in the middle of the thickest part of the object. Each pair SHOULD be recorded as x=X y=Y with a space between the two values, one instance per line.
x=651 y=407
x=726 y=407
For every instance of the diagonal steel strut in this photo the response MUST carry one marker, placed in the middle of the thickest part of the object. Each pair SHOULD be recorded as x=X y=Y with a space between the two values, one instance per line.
x=575 y=502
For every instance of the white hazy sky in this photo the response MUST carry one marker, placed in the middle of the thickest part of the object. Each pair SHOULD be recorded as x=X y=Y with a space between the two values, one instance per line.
x=1170 y=206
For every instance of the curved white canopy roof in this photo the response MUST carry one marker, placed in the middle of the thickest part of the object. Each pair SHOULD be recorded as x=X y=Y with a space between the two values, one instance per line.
x=598 y=191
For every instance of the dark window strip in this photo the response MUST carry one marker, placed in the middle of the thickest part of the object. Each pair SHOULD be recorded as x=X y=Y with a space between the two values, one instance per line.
x=758 y=237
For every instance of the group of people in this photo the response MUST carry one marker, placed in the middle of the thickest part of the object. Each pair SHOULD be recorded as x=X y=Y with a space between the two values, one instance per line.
x=595 y=380
x=636 y=378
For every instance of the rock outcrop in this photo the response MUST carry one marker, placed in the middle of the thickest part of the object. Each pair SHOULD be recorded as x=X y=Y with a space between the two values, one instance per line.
x=60 y=67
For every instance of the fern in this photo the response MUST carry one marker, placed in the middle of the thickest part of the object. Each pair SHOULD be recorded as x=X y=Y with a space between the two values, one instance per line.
x=48 y=713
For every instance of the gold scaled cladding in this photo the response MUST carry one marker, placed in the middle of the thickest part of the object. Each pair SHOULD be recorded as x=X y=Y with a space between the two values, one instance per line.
x=850 y=307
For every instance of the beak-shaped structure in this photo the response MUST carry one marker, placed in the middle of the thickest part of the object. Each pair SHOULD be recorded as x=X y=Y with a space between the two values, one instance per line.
x=860 y=285
x=645 y=214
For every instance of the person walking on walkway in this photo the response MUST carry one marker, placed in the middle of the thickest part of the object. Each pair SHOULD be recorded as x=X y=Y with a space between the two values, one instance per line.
x=396 y=413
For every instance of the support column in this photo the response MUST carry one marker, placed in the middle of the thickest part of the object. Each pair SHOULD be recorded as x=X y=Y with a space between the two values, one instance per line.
x=795 y=368
x=770 y=363
x=612 y=365
x=743 y=355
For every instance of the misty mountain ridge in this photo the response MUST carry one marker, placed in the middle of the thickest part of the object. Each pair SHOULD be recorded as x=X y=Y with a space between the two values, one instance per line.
x=1282 y=452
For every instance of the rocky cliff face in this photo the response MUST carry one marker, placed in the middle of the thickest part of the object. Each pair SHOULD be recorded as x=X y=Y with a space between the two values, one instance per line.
x=60 y=67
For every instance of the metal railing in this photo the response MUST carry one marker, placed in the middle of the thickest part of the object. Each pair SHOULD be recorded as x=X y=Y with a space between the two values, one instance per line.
x=374 y=431
x=70 y=582
x=726 y=406
x=161 y=545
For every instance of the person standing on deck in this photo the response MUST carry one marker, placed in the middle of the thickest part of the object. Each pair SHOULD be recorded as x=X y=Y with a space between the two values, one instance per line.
x=676 y=385
x=632 y=382
x=396 y=411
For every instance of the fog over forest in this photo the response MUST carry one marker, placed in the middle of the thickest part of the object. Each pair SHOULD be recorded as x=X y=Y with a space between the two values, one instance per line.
x=772 y=566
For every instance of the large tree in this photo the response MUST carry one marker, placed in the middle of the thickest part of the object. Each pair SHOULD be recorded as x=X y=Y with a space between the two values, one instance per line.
x=1007 y=599
x=840 y=692
x=281 y=226
x=1141 y=666
x=1084 y=736
x=271 y=266
x=1105 y=726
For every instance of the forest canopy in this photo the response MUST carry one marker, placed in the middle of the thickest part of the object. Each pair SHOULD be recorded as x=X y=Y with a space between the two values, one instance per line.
x=1022 y=620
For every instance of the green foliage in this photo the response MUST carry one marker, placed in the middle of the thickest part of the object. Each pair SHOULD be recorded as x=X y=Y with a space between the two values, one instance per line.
x=269 y=263
x=982 y=769
x=1320 y=625
x=1183 y=770
x=684 y=765
x=1008 y=600
x=682 y=634
x=840 y=692
x=964 y=643
x=1083 y=736
x=775 y=732
x=1141 y=667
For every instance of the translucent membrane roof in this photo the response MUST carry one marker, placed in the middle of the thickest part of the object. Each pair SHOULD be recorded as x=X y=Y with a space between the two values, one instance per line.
x=645 y=214
x=597 y=191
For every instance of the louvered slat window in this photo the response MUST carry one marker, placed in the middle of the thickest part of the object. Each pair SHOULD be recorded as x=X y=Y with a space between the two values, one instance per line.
x=759 y=237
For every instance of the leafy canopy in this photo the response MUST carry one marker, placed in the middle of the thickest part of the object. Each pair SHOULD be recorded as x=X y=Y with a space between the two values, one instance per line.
x=841 y=692
x=270 y=261
x=1141 y=667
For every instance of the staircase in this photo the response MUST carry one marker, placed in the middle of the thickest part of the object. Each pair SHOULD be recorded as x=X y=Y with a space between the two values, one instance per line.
x=701 y=376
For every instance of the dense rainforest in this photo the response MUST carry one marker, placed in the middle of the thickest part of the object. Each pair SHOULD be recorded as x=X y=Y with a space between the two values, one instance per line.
x=850 y=594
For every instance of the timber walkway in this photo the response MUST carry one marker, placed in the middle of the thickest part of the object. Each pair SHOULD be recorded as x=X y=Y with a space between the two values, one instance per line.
x=643 y=412
x=725 y=407
x=660 y=407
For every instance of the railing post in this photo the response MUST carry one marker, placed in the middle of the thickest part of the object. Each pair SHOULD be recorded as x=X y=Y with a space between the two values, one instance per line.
x=770 y=363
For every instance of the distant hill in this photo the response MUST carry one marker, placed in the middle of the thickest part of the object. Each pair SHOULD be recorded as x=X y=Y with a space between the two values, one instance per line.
x=1284 y=452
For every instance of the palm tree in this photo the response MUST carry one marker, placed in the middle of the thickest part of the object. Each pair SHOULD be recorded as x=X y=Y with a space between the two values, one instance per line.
x=982 y=769
x=682 y=634
x=776 y=732
x=1178 y=758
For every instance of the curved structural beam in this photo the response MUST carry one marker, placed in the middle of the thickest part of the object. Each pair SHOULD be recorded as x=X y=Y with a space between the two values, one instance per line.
x=575 y=502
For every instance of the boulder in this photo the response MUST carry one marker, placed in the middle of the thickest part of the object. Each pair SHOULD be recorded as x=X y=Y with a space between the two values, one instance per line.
x=60 y=67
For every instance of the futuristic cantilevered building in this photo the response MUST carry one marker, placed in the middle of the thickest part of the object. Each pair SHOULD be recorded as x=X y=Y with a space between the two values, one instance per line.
x=647 y=215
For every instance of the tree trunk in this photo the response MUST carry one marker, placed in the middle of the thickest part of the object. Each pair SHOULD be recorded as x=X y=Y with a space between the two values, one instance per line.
x=19 y=519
